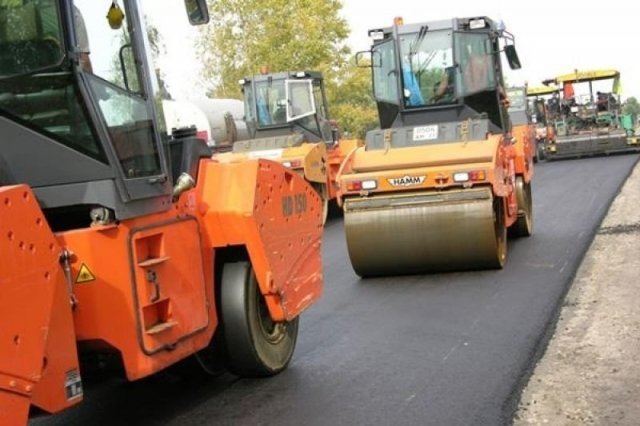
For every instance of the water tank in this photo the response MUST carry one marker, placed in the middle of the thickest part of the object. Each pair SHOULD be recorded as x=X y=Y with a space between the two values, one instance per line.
x=218 y=121
x=225 y=117
x=180 y=114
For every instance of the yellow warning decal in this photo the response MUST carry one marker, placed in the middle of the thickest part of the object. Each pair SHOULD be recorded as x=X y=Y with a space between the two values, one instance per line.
x=85 y=275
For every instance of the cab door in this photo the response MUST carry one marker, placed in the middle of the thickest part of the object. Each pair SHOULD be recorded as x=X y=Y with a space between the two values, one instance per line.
x=118 y=85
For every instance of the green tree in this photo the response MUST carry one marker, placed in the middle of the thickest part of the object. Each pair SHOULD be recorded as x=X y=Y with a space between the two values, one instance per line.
x=281 y=34
x=631 y=107
x=351 y=101
x=158 y=48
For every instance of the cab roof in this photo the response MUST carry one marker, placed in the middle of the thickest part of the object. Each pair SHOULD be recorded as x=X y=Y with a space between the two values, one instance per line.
x=316 y=75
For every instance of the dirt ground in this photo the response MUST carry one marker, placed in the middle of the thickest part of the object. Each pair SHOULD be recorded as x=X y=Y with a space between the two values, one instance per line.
x=590 y=373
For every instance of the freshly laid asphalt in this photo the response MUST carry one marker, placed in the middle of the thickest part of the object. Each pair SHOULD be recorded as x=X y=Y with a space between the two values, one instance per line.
x=441 y=349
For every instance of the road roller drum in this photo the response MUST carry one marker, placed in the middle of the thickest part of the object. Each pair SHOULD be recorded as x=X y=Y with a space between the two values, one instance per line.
x=425 y=232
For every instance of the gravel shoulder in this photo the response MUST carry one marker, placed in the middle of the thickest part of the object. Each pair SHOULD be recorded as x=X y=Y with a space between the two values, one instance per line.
x=590 y=372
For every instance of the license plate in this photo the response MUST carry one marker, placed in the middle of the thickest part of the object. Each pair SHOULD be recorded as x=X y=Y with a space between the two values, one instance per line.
x=425 y=133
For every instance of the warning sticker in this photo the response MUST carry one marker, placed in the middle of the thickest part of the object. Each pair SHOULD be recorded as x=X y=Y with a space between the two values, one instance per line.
x=84 y=275
x=73 y=385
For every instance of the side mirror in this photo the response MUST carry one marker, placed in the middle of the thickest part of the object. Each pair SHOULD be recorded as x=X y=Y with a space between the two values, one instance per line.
x=335 y=132
x=364 y=59
x=512 y=57
x=197 y=11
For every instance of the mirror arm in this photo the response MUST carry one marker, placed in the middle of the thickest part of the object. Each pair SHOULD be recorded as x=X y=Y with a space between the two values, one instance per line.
x=122 y=66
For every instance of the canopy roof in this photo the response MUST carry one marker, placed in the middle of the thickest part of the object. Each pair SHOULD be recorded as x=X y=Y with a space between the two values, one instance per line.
x=585 y=76
x=577 y=76
x=542 y=90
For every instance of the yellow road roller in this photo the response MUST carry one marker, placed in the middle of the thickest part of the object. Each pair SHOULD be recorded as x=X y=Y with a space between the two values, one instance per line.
x=436 y=187
x=287 y=118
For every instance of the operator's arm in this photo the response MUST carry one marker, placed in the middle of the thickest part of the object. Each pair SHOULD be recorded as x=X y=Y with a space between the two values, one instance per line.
x=442 y=87
x=503 y=96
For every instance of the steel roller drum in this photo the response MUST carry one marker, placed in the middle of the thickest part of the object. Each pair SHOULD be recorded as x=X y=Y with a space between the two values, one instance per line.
x=424 y=232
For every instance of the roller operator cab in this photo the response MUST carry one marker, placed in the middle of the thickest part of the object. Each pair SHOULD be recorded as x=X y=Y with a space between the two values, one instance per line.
x=438 y=185
x=288 y=121
x=120 y=246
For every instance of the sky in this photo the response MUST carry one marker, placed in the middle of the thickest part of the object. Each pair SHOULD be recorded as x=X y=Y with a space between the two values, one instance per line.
x=552 y=36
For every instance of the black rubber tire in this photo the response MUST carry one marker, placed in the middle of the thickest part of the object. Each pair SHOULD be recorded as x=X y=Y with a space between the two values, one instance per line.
x=500 y=229
x=523 y=227
x=322 y=191
x=255 y=346
x=541 y=155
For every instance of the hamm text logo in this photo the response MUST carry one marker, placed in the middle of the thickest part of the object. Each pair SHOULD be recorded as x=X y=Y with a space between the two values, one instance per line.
x=407 y=180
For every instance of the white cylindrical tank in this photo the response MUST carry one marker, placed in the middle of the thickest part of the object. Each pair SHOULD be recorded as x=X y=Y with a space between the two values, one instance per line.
x=224 y=128
x=218 y=121
x=179 y=114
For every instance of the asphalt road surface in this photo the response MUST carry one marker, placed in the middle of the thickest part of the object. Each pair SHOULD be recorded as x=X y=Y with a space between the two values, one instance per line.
x=443 y=349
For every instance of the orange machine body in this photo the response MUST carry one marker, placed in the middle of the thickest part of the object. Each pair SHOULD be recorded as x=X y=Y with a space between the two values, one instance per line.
x=489 y=163
x=120 y=246
x=37 y=337
x=145 y=287
x=316 y=162
x=336 y=156
x=525 y=148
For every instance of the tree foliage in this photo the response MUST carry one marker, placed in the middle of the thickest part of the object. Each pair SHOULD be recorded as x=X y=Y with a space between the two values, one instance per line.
x=287 y=35
x=157 y=46
x=631 y=107
x=351 y=101
x=281 y=34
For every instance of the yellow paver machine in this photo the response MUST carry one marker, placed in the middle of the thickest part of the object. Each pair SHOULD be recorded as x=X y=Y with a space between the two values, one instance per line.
x=591 y=123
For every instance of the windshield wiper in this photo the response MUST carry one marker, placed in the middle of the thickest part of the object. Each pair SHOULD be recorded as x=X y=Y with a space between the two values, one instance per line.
x=413 y=47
